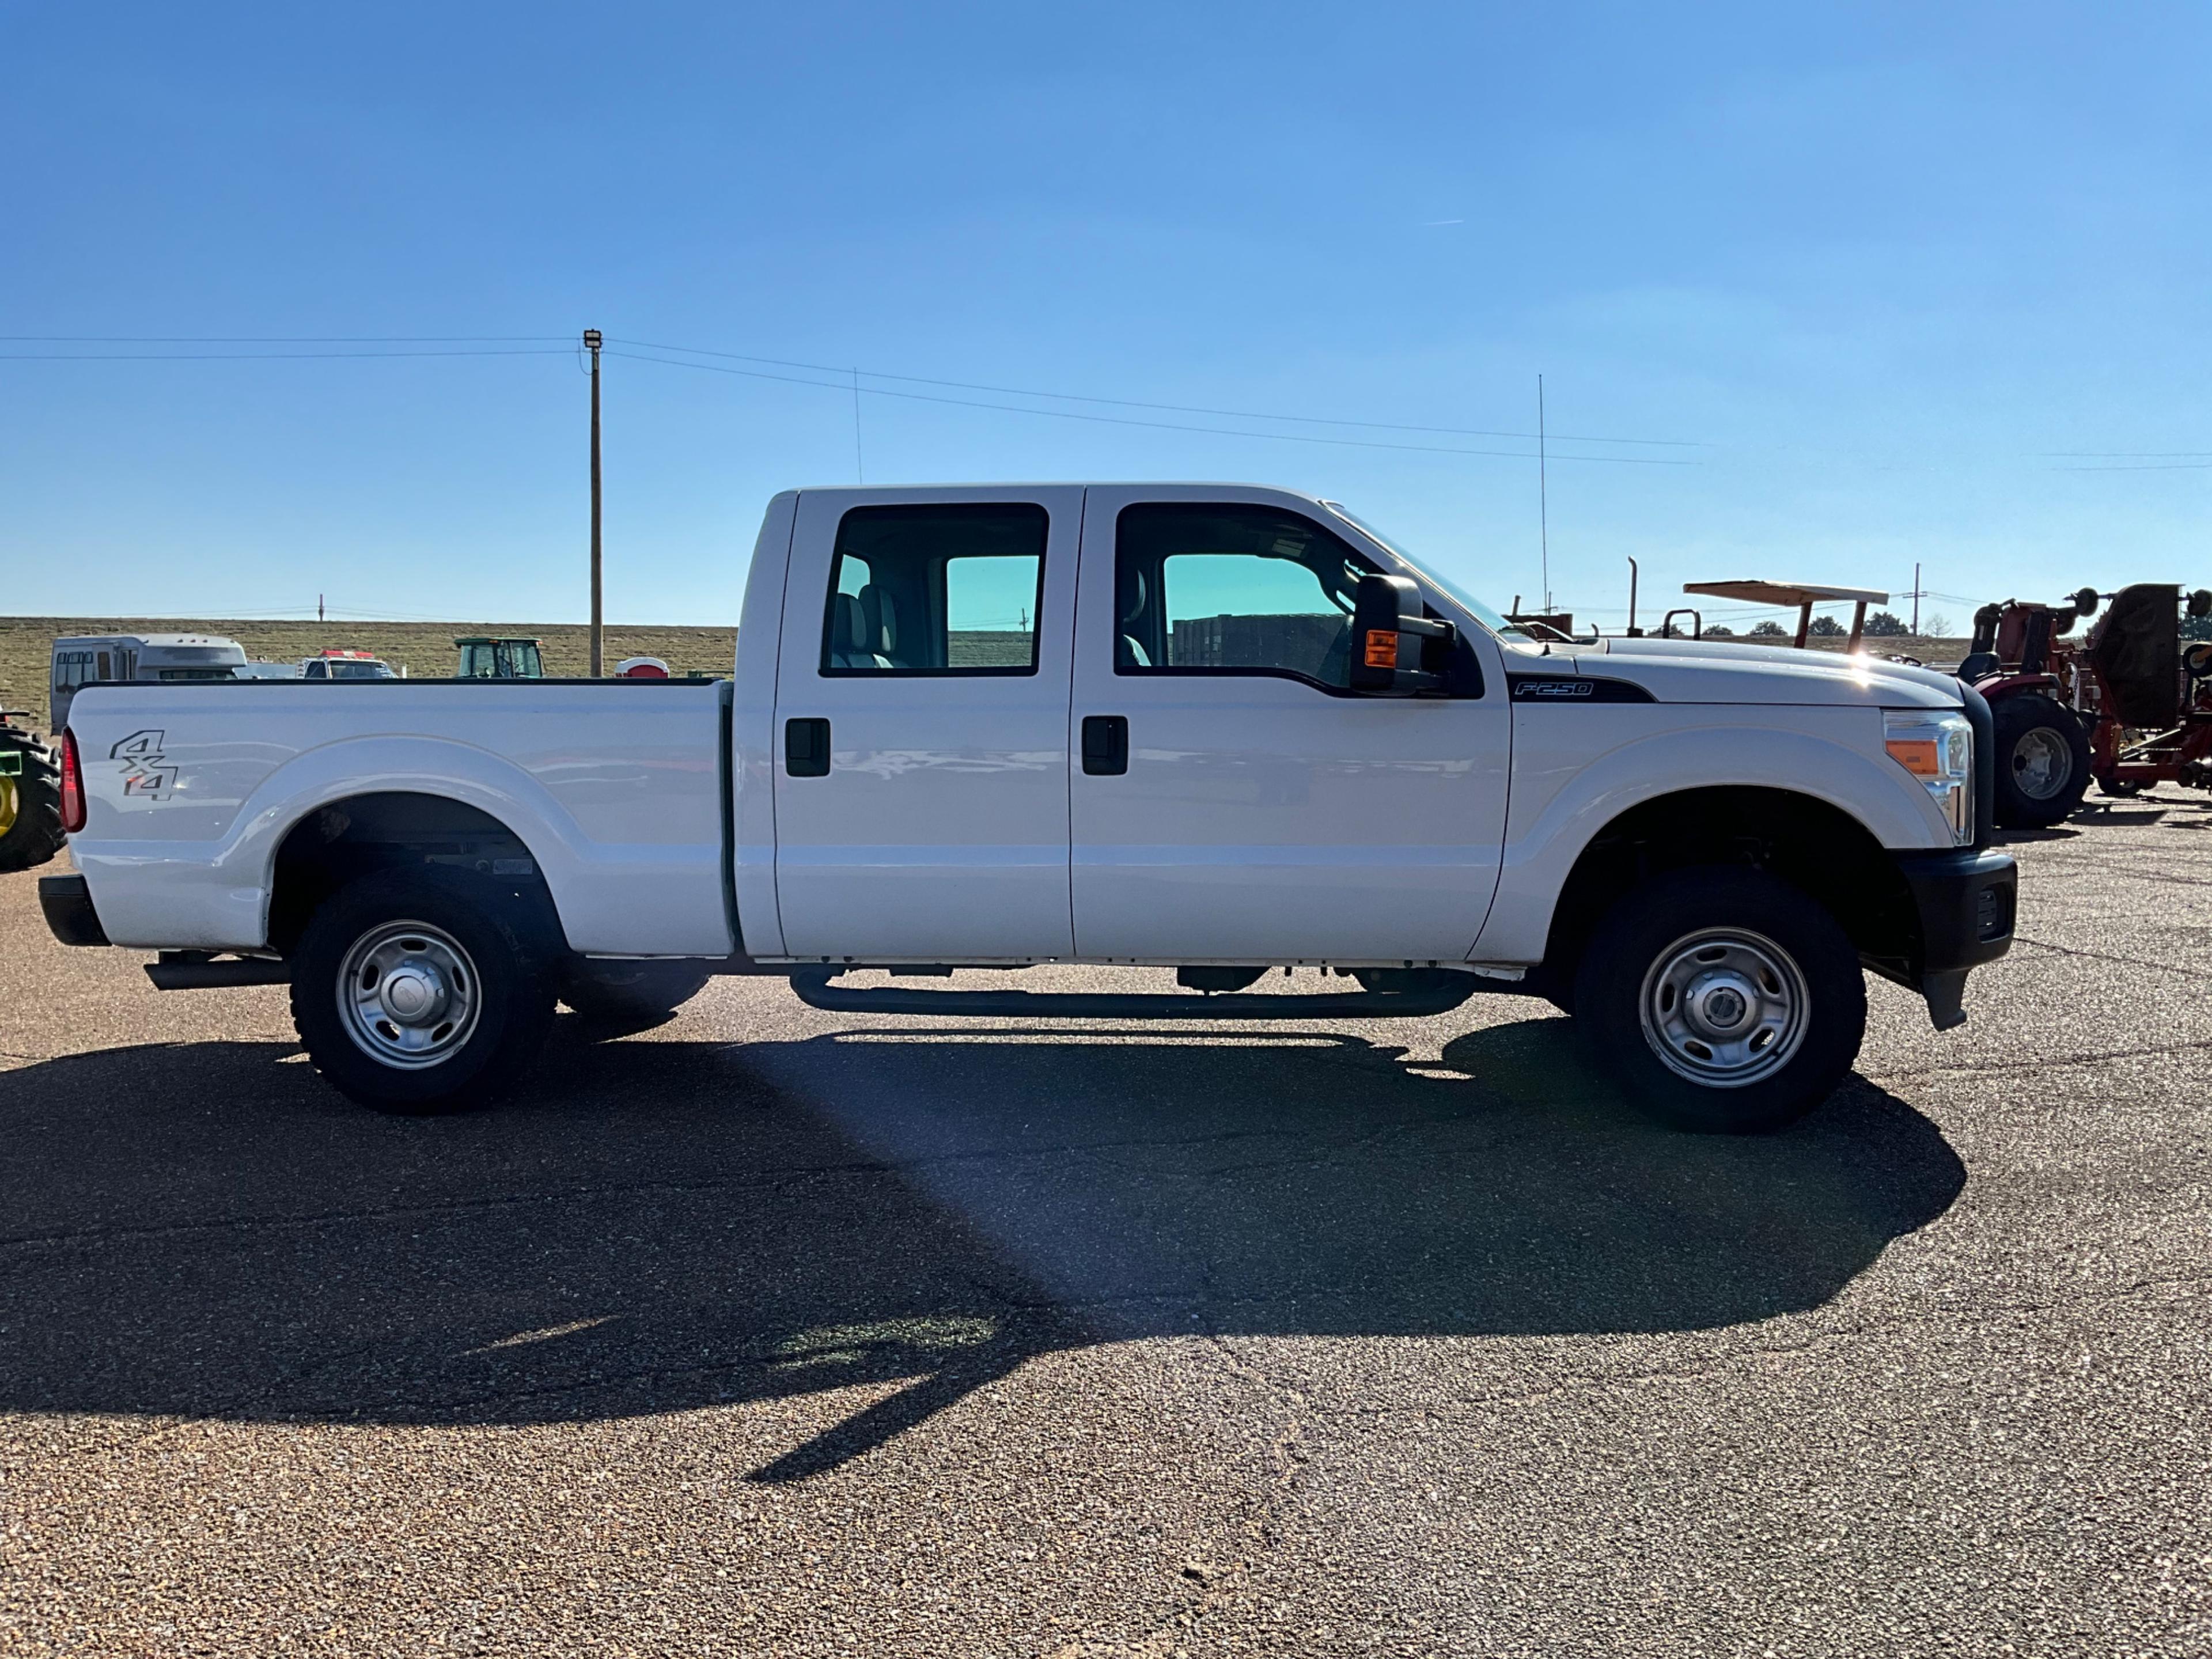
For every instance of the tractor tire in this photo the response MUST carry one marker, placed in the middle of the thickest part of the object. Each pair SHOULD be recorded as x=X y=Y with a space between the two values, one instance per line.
x=30 y=802
x=421 y=990
x=2042 y=761
x=627 y=993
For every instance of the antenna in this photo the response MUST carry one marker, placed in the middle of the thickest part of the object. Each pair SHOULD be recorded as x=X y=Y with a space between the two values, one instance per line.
x=859 y=471
x=1543 y=510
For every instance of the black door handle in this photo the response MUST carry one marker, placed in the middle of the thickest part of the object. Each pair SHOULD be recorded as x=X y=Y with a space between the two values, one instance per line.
x=1105 y=745
x=806 y=748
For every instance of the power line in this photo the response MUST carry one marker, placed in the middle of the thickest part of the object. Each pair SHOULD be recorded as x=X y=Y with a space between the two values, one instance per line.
x=277 y=339
x=254 y=356
x=1123 y=420
x=2146 y=466
x=1173 y=409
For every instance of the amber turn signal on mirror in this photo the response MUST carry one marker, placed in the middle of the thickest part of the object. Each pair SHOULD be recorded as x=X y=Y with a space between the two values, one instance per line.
x=1381 y=648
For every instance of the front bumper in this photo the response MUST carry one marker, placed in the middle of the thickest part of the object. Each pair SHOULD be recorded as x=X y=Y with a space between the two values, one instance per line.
x=1965 y=902
x=66 y=902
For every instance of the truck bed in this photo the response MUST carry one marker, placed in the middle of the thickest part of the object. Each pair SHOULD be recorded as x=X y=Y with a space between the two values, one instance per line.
x=616 y=789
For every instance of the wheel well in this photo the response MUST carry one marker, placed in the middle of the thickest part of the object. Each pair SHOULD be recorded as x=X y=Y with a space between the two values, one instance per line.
x=1818 y=848
x=347 y=839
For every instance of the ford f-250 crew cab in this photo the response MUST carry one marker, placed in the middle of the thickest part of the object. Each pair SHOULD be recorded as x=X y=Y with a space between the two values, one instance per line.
x=1220 y=729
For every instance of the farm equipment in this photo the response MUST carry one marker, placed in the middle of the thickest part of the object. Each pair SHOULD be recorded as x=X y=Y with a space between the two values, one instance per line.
x=1803 y=595
x=500 y=656
x=30 y=796
x=2125 y=705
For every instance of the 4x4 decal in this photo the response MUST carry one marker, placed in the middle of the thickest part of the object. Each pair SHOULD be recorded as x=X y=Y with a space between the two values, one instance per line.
x=146 y=771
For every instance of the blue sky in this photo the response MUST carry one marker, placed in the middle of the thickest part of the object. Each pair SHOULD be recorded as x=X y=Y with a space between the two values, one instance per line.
x=1883 y=277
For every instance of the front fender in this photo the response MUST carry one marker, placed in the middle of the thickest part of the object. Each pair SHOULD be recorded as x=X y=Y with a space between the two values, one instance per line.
x=1576 y=770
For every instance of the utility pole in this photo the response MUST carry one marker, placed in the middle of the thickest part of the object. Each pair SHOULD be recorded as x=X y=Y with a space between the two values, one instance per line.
x=319 y=607
x=1543 y=509
x=1915 y=599
x=598 y=619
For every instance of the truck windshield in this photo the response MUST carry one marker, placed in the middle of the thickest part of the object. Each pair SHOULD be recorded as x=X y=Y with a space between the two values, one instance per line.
x=1476 y=608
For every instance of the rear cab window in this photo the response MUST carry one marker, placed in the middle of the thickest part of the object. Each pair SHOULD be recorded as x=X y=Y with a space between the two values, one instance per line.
x=935 y=589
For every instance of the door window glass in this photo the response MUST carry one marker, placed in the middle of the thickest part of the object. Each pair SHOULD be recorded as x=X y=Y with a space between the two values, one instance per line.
x=1228 y=589
x=950 y=589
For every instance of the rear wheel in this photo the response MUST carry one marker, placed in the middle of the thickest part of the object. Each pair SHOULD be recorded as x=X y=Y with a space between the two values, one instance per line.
x=2042 y=761
x=625 y=991
x=30 y=801
x=420 y=991
x=1724 y=1000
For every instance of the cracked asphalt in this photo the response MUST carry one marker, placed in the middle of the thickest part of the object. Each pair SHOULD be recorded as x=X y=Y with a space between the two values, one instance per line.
x=773 y=1330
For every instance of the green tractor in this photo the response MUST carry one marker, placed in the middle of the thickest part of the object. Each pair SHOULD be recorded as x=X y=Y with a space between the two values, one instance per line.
x=30 y=796
x=498 y=657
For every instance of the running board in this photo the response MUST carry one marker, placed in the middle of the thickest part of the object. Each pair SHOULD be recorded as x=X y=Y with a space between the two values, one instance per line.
x=1451 y=990
x=200 y=970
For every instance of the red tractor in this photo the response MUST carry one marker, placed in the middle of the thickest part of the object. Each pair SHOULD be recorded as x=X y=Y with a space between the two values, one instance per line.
x=2125 y=704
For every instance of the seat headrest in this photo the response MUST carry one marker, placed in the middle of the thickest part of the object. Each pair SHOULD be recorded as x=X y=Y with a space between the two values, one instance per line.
x=879 y=621
x=845 y=632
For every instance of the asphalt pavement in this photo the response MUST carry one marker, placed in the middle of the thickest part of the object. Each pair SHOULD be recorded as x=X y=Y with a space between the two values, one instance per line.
x=776 y=1331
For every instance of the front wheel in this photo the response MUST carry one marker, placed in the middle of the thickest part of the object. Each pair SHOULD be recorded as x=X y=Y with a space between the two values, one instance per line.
x=1723 y=999
x=2042 y=761
x=419 y=992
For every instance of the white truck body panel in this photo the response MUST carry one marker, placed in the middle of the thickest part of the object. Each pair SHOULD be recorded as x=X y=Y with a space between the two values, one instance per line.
x=940 y=832
x=615 y=789
x=1260 y=819
x=752 y=733
x=1264 y=819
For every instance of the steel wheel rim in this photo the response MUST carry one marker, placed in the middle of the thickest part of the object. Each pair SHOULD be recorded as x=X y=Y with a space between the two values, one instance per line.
x=9 y=803
x=2041 y=763
x=408 y=994
x=1725 y=1007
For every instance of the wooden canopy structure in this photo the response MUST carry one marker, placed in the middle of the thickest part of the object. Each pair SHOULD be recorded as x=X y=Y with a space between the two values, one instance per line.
x=1803 y=595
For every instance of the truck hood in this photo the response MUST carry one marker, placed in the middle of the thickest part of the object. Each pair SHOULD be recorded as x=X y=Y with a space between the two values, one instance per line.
x=1695 y=671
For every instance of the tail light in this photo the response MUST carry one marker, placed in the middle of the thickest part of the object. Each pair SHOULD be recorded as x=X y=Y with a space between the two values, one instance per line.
x=72 y=786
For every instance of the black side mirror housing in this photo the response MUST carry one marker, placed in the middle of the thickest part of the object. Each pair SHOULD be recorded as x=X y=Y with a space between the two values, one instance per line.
x=1395 y=650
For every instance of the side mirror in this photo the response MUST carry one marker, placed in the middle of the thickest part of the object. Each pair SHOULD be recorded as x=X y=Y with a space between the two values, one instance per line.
x=1386 y=616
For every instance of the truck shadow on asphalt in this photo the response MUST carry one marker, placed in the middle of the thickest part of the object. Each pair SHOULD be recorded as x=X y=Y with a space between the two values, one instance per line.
x=206 y=1230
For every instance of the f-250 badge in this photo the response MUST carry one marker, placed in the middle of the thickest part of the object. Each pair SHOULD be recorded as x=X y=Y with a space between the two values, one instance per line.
x=146 y=769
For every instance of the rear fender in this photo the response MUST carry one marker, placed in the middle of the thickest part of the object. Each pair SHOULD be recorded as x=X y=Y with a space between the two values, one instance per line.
x=2000 y=685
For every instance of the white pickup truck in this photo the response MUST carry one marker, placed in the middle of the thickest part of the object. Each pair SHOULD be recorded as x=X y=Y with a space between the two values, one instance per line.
x=1219 y=729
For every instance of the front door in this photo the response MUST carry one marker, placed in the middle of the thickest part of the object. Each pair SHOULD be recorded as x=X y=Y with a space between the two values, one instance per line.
x=1249 y=806
x=921 y=725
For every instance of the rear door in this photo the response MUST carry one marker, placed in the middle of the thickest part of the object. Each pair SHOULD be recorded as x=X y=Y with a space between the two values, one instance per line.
x=922 y=727
x=1235 y=800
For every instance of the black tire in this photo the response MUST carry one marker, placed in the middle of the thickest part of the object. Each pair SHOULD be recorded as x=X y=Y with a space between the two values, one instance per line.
x=30 y=802
x=502 y=969
x=1658 y=926
x=624 y=992
x=2042 y=761
x=2120 y=788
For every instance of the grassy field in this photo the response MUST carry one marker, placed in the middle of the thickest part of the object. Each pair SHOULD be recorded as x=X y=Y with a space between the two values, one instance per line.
x=427 y=648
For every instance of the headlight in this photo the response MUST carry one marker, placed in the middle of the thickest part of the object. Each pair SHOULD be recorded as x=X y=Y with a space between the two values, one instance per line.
x=1939 y=750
